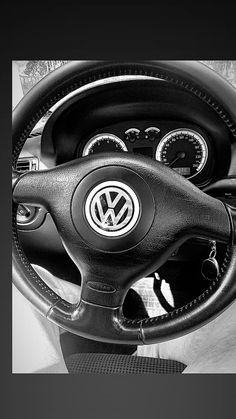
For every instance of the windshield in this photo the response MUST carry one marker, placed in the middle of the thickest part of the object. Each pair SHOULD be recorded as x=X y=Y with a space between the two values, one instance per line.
x=30 y=72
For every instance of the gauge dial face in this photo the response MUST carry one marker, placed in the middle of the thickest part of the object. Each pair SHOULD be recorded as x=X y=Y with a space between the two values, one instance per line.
x=103 y=143
x=184 y=150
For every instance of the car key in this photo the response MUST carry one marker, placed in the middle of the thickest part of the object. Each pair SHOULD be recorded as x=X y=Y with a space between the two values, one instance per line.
x=210 y=267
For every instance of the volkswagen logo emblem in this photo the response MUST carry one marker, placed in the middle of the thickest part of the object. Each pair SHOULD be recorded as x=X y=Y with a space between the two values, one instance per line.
x=112 y=208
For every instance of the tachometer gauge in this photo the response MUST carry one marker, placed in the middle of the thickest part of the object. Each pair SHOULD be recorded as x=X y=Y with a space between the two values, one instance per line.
x=184 y=150
x=102 y=143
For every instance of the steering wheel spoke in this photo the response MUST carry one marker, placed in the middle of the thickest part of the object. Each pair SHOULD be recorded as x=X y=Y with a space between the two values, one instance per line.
x=97 y=322
x=215 y=221
x=33 y=188
x=211 y=219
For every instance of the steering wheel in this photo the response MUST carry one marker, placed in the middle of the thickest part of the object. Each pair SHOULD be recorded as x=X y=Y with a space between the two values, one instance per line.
x=121 y=216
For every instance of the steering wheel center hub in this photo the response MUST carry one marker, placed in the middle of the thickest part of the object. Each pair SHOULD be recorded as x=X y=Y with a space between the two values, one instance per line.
x=112 y=208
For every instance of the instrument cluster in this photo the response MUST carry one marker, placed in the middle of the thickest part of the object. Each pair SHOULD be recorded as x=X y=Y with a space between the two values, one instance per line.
x=183 y=148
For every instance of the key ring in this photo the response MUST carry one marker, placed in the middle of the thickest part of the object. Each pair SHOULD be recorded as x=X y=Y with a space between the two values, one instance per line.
x=213 y=250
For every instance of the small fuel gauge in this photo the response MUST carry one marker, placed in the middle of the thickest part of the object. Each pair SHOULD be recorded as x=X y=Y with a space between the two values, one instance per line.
x=152 y=133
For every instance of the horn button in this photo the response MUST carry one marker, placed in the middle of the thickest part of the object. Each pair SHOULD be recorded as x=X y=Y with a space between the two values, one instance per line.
x=112 y=208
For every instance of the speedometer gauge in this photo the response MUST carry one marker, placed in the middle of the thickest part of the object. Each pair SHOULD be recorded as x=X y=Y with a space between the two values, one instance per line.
x=184 y=150
x=103 y=143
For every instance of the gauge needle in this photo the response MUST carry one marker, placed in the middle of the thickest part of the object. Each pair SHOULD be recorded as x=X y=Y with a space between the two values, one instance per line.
x=180 y=155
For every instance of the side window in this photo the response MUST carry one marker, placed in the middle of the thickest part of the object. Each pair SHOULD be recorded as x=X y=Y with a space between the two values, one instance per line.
x=25 y=74
x=30 y=72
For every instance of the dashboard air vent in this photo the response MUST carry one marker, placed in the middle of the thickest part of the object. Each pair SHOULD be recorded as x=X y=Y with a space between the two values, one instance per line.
x=27 y=163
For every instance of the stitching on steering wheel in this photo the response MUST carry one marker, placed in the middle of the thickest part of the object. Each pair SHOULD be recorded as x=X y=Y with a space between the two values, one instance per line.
x=205 y=97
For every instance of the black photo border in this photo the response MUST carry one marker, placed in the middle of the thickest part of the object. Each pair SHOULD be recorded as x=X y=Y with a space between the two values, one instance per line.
x=105 y=30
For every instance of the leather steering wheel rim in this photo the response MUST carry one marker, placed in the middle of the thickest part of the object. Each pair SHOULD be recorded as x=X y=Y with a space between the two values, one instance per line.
x=210 y=88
